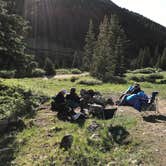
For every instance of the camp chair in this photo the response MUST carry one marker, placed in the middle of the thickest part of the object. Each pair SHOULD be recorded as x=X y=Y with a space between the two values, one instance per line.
x=152 y=104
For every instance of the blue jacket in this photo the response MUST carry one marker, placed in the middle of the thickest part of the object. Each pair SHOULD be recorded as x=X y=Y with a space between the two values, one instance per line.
x=137 y=100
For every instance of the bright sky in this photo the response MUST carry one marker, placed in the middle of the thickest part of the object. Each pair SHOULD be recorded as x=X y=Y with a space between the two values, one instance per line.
x=153 y=9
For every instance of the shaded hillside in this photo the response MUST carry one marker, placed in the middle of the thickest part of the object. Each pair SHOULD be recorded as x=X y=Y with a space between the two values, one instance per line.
x=59 y=24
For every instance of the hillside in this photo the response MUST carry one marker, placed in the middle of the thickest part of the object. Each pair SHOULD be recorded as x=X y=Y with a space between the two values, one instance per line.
x=59 y=27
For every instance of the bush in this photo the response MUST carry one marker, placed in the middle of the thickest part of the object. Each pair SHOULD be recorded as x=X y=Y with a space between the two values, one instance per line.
x=76 y=71
x=118 y=80
x=15 y=101
x=147 y=70
x=73 y=79
x=7 y=73
x=89 y=81
x=162 y=81
x=63 y=71
x=155 y=76
x=137 y=78
x=38 y=72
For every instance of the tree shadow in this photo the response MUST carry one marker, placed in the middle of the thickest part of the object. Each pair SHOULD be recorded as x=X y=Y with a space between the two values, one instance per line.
x=155 y=118
x=8 y=144
x=120 y=135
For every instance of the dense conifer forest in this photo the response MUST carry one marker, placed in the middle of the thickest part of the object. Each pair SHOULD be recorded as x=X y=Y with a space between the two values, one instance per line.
x=68 y=33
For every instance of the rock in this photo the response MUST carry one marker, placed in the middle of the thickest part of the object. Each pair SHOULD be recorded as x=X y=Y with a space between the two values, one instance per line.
x=66 y=142
x=94 y=126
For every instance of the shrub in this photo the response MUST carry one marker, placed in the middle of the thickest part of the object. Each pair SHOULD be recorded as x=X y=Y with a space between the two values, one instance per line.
x=7 y=73
x=15 y=101
x=137 y=78
x=76 y=71
x=89 y=81
x=155 y=76
x=73 y=79
x=49 y=67
x=38 y=72
x=63 y=71
x=147 y=70
x=118 y=80
x=162 y=81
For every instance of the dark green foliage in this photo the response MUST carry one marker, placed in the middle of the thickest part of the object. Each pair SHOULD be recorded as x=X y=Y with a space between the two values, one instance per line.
x=89 y=47
x=73 y=79
x=49 y=67
x=89 y=81
x=147 y=70
x=15 y=101
x=116 y=80
x=163 y=81
x=146 y=78
x=108 y=58
x=76 y=71
x=163 y=60
x=37 y=72
x=12 y=45
x=7 y=73
x=102 y=51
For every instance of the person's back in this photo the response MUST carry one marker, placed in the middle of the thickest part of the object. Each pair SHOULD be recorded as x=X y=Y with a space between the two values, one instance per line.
x=72 y=98
x=59 y=98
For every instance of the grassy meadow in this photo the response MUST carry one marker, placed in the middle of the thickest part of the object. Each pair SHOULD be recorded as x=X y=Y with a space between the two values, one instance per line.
x=38 y=143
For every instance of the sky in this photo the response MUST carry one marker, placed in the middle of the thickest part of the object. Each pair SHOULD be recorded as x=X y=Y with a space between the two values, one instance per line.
x=153 y=9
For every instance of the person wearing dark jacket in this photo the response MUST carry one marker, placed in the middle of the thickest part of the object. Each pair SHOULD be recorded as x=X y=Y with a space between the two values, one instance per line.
x=72 y=98
x=59 y=101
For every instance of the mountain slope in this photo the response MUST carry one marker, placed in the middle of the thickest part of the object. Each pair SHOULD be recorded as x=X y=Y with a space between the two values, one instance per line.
x=59 y=24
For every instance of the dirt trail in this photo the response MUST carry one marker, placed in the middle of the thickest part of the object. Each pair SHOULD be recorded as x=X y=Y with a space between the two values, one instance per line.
x=63 y=76
x=151 y=130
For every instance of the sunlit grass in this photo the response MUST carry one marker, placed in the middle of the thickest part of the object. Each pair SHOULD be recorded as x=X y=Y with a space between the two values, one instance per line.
x=51 y=86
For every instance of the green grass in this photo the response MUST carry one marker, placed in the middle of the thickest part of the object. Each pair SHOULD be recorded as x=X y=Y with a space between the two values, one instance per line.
x=39 y=145
x=51 y=86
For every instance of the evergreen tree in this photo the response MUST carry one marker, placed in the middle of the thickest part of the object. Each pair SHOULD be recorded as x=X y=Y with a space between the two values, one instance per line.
x=102 y=51
x=158 y=62
x=108 y=57
x=163 y=60
x=118 y=43
x=89 y=47
x=140 y=58
x=12 y=46
x=49 y=67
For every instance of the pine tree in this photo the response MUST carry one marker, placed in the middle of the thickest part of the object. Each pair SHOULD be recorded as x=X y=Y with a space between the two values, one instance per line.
x=140 y=58
x=49 y=67
x=158 y=62
x=101 y=51
x=163 y=60
x=12 y=46
x=89 y=47
x=118 y=43
x=108 y=57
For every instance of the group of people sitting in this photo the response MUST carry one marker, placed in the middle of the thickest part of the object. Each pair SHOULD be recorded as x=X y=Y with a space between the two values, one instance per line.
x=66 y=103
x=136 y=98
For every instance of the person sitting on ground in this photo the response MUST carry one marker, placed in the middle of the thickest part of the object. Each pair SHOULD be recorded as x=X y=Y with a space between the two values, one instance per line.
x=59 y=102
x=72 y=98
x=133 y=89
x=137 y=100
